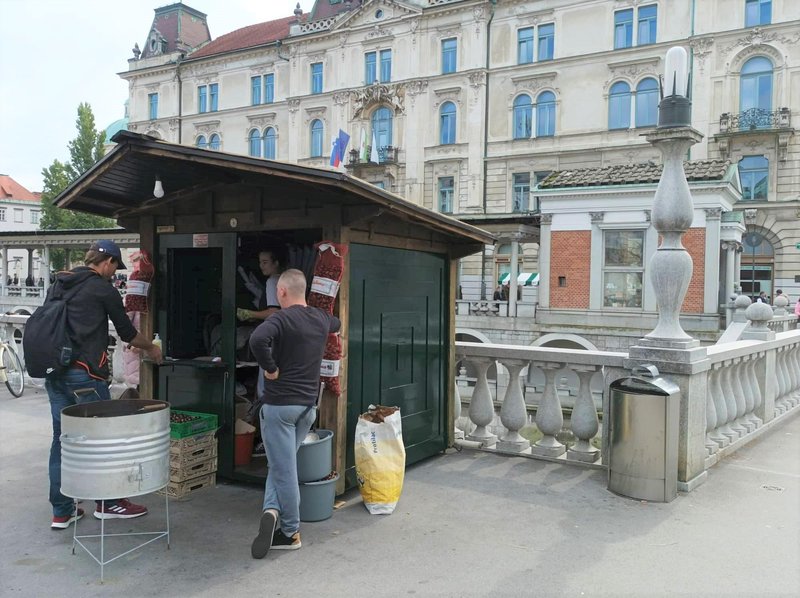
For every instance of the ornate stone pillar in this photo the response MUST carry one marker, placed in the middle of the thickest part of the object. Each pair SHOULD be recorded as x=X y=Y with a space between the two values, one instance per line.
x=545 y=220
x=481 y=407
x=513 y=412
x=512 y=282
x=549 y=418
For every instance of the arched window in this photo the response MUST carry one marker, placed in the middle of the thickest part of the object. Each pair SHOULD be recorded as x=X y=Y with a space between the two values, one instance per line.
x=382 y=127
x=447 y=123
x=647 y=103
x=755 y=86
x=754 y=177
x=214 y=142
x=316 y=138
x=619 y=106
x=255 y=143
x=546 y=114
x=523 y=117
x=270 y=145
x=201 y=142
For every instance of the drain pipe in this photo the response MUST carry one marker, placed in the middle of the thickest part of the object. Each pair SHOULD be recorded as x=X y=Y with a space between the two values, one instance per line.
x=493 y=3
x=180 y=96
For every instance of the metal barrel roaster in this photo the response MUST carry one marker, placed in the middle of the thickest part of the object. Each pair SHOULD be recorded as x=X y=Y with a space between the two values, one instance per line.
x=114 y=449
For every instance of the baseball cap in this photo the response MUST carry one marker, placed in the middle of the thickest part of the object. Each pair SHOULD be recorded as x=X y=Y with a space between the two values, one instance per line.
x=112 y=249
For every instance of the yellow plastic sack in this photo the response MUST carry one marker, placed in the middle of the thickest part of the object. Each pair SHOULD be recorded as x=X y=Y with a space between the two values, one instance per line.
x=380 y=458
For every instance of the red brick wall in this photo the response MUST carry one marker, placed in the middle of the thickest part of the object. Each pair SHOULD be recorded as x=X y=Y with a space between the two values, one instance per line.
x=570 y=256
x=695 y=242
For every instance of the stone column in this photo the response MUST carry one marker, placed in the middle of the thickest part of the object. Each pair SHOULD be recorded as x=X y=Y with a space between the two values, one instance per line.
x=737 y=268
x=730 y=269
x=513 y=412
x=549 y=418
x=544 y=259
x=512 y=282
x=712 y=251
x=4 y=273
x=481 y=407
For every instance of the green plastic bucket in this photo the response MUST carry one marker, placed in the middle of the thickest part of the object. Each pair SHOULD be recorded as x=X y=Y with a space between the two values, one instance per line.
x=314 y=458
x=317 y=498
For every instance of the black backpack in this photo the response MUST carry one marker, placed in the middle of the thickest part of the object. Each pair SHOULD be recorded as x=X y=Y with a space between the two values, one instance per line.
x=46 y=342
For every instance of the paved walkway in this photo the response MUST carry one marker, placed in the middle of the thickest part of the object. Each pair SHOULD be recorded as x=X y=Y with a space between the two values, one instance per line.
x=468 y=524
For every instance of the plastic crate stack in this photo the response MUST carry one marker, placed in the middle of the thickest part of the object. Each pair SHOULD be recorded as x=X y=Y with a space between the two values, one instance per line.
x=192 y=452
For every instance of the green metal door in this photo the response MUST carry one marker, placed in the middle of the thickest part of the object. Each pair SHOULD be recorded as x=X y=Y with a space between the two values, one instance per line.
x=397 y=352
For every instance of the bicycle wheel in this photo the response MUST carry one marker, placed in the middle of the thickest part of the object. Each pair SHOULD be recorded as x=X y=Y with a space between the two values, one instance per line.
x=15 y=376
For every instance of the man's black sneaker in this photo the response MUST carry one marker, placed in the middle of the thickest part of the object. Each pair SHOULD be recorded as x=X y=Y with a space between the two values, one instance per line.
x=281 y=541
x=263 y=541
x=259 y=450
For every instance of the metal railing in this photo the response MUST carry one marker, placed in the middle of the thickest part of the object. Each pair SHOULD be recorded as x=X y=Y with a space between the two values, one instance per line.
x=755 y=119
x=387 y=154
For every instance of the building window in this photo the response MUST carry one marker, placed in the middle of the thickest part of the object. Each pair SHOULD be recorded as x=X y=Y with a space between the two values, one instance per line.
x=201 y=142
x=757 y=12
x=382 y=129
x=214 y=142
x=316 y=77
x=523 y=113
x=521 y=192
x=370 y=68
x=18 y=215
x=270 y=144
x=2 y=214
x=623 y=268
x=619 y=106
x=202 y=99
x=525 y=45
x=754 y=177
x=254 y=139
x=269 y=88
x=35 y=216
x=547 y=40
x=386 y=66
x=316 y=138
x=152 y=102
x=213 y=93
x=546 y=114
x=447 y=123
x=449 y=49
x=647 y=103
x=446 y=194
x=755 y=85
x=648 y=19
x=255 y=90
x=623 y=28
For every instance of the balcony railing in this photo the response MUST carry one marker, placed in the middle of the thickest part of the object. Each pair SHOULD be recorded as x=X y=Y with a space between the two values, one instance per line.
x=755 y=119
x=387 y=154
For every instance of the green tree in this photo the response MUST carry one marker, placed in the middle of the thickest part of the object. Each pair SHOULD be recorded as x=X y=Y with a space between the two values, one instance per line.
x=84 y=151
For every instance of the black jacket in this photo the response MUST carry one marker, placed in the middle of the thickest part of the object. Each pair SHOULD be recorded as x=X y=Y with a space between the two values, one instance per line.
x=92 y=300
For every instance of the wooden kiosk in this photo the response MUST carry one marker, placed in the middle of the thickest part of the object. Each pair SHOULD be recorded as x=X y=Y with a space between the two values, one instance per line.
x=396 y=300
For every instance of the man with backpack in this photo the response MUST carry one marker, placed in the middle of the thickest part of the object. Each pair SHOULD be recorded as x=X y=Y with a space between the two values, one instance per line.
x=81 y=372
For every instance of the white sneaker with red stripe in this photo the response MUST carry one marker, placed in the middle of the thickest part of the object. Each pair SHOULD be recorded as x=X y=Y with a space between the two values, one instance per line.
x=123 y=509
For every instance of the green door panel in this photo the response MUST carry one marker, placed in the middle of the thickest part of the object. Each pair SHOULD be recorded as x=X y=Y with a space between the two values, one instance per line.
x=397 y=346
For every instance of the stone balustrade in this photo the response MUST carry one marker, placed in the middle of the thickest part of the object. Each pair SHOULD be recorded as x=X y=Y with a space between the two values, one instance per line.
x=555 y=365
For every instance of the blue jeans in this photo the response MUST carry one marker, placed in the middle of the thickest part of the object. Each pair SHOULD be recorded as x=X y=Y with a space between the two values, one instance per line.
x=73 y=387
x=283 y=428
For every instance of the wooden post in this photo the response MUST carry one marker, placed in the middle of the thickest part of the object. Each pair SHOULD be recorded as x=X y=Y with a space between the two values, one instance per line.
x=148 y=371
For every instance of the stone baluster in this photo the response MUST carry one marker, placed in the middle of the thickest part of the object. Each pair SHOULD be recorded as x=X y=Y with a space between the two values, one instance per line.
x=711 y=422
x=457 y=433
x=751 y=391
x=794 y=369
x=730 y=403
x=513 y=413
x=549 y=418
x=481 y=407
x=738 y=393
x=722 y=433
x=780 y=375
x=584 y=417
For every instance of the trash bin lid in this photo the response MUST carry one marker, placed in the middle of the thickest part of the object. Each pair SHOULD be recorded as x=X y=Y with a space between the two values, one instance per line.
x=646 y=380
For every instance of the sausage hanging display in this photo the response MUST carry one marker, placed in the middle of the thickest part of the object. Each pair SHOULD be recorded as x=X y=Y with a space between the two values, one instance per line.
x=328 y=272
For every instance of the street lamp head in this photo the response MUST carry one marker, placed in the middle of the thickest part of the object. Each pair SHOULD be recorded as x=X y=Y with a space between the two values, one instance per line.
x=675 y=109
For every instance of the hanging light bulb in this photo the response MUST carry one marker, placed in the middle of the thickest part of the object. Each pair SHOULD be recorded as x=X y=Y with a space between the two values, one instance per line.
x=158 y=190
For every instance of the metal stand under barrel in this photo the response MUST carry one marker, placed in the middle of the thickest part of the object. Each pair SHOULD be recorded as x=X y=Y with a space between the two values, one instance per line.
x=102 y=561
x=114 y=449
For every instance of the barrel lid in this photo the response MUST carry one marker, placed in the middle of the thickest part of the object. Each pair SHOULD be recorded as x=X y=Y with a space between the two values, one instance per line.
x=115 y=408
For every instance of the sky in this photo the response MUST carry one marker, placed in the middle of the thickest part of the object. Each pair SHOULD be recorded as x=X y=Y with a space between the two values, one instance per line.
x=55 y=54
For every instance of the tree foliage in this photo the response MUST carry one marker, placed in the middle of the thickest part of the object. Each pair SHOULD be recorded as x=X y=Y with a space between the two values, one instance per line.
x=84 y=151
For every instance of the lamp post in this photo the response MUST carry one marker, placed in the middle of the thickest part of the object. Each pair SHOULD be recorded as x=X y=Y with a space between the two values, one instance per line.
x=671 y=265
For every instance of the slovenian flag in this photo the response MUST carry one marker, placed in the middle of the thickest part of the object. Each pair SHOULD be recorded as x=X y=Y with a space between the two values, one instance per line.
x=335 y=152
x=342 y=140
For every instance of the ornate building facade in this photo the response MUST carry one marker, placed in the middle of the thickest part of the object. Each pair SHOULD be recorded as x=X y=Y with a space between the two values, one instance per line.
x=464 y=106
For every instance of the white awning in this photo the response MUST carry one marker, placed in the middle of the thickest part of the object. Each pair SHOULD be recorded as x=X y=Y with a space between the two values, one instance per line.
x=523 y=279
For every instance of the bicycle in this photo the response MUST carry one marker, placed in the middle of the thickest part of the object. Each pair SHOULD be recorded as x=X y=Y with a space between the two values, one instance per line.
x=11 y=371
